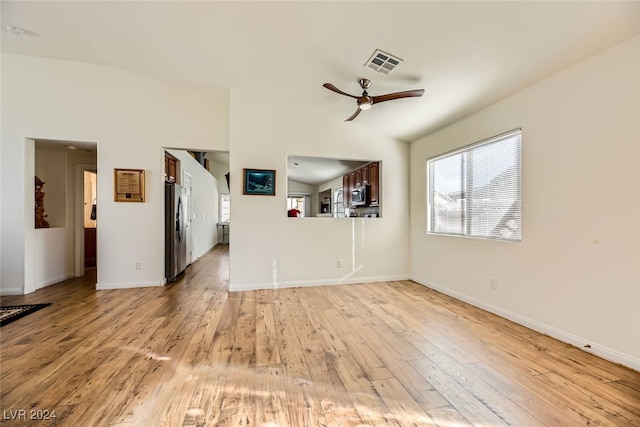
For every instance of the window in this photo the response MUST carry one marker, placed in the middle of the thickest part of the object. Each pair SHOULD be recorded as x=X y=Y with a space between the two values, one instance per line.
x=225 y=208
x=475 y=191
x=297 y=205
x=338 y=203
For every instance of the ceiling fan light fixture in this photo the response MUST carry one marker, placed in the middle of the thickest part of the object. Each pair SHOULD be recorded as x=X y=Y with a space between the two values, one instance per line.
x=364 y=105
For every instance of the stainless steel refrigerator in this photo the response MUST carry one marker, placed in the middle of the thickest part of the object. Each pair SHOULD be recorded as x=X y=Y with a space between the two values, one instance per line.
x=175 y=230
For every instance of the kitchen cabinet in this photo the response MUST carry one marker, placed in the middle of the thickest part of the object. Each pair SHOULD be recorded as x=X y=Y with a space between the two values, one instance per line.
x=364 y=175
x=374 y=183
x=346 y=191
x=170 y=167
x=90 y=245
x=368 y=174
x=352 y=184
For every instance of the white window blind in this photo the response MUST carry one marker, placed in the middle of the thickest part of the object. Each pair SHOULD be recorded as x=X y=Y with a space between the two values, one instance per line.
x=225 y=208
x=476 y=191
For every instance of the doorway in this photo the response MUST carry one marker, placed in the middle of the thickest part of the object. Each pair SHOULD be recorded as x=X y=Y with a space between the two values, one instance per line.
x=50 y=161
x=201 y=176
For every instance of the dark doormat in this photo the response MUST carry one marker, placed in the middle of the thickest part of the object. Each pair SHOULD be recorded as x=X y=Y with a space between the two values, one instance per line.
x=13 y=312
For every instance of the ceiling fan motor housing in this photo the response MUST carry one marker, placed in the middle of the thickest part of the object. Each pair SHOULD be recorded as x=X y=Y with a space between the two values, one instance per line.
x=364 y=83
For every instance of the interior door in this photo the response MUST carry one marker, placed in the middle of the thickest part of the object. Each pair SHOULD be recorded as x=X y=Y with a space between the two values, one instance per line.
x=188 y=215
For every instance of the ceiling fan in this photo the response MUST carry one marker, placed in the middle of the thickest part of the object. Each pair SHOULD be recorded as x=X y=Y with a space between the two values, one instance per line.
x=365 y=101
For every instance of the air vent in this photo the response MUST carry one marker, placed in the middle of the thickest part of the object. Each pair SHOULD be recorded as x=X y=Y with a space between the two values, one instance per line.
x=382 y=62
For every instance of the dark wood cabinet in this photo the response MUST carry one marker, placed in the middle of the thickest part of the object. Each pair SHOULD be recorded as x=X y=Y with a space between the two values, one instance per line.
x=170 y=167
x=364 y=174
x=348 y=183
x=374 y=183
x=368 y=174
x=90 y=247
x=346 y=191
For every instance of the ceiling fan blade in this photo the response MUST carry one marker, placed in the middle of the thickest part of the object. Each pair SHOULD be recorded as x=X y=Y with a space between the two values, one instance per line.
x=354 y=115
x=336 y=90
x=398 y=95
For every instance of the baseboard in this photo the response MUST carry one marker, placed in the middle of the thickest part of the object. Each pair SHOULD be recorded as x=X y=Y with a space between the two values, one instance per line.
x=129 y=285
x=566 y=337
x=54 y=281
x=11 y=291
x=346 y=280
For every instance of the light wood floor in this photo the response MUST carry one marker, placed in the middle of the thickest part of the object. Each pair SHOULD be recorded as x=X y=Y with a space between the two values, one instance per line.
x=192 y=354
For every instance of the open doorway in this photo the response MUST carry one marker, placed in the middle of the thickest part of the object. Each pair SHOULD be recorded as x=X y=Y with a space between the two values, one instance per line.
x=200 y=179
x=62 y=205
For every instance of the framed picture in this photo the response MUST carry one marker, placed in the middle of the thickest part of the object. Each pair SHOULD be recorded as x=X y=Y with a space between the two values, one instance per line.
x=128 y=185
x=259 y=182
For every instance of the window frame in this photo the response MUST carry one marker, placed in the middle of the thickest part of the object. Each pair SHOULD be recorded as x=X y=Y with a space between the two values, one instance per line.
x=466 y=188
x=224 y=214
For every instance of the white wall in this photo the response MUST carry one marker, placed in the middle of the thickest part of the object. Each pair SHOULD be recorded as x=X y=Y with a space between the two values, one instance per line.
x=51 y=167
x=267 y=249
x=204 y=199
x=131 y=118
x=576 y=274
x=219 y=170
x=53 y=257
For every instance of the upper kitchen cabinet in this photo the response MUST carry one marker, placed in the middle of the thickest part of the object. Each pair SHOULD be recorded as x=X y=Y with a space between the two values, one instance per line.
x=346 y=198
x=373 y=173
x=367 y=175
x=170 y=167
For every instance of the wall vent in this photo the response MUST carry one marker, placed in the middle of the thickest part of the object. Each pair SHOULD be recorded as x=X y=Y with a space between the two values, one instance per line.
x=382 y=62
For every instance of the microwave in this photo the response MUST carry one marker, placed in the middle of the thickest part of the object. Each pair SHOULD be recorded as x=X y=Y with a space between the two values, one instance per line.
x=360 y=196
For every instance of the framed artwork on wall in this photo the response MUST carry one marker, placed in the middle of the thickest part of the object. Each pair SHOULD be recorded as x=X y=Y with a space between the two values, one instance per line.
x=259 y=182
x=128 y=185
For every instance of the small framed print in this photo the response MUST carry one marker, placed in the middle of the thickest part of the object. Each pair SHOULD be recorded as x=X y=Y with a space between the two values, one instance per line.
x=129 y=185
x=259 y=182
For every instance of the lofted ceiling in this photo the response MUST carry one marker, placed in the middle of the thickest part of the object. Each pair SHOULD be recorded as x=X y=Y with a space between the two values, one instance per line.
x=466 y=55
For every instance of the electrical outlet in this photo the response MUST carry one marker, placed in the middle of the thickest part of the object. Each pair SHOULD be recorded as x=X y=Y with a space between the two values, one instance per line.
x=494 y=283
x=138 y=265
x=339 y=263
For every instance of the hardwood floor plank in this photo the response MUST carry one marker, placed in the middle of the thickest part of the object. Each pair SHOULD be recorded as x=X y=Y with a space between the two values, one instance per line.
x=371 y=364
x=335 y=402
x=447 y=416
x=590 y=408
x=369 y=405
x=267 y=352
x=405 y=410
x=330 y=338
x=272 y=408
x=464 y=401
x=523 y=394
x=498 y=401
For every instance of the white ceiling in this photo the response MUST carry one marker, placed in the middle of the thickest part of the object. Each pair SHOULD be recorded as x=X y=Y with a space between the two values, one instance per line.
x=466 y=55
x=318 y=170
x=66 y=146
